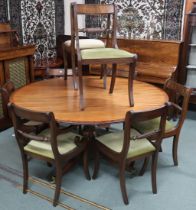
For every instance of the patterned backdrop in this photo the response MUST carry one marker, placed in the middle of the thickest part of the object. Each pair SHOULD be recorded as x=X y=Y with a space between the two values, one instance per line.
x=3 y=11
x=147 y=19
x=38 y=25
x=36 y=21
x=158 y=19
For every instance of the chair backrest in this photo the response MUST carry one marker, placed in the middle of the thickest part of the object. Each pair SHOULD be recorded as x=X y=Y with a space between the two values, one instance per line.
x=6 y=90
x=106 y=11
x=180 y=92
x=131 y=117
x=19 y=118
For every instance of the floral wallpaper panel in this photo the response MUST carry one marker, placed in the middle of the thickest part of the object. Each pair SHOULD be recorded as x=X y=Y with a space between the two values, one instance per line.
x=147 y=19
x=3 y=11
x=38 y=24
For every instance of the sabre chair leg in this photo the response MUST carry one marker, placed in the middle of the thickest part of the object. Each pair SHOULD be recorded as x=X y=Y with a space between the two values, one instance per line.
x=130 y=83
x=58 y=180
x=122 y=184
x=81 y=87
x=25 y=173
x=175 y=149
x=153 y=172
x=65 y=61
x=102 y=71
x=104 y=66
x=113 y=79
x=73 y=65
x=144 y=166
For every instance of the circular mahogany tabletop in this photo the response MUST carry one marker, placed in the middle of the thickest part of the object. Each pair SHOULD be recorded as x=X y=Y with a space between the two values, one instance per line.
x=57 y=95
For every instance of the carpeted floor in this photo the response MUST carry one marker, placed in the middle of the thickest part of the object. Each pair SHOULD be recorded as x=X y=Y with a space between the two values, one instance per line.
x=176 y=185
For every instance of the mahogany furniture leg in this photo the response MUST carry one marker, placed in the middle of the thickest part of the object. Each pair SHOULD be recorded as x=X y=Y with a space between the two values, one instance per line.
x=74 y=71
x=65 y=62
x=81 y=86
x=175 y=149
x=144 y=166
x=58 y=185
x=113 y=79
x=122 y=183
x=85 y=164
x=130 y=83
x=104 y=75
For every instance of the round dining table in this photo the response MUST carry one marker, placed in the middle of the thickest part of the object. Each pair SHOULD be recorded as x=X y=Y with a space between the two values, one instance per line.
x=58 y=96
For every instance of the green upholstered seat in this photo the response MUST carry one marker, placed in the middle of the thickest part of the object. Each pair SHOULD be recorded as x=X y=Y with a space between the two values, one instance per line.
x=104 y=53
x=87 y=43
x=114 y=141
x=150 y=125
x=65 y=144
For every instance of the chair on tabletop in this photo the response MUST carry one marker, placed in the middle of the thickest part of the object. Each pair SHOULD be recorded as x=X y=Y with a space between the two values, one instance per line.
x=69 y=46
x=6 y=90
x=51 y=145
x=126 y=146
x=173 y=129
x=101 y=55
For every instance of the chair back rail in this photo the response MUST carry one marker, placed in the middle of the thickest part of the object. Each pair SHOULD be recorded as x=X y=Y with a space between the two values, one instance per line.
x=132 y=117
x=109 y=11
x=48 y=151
x=180 y=92
x=90 y=9
x=21 y=116
x=6 y=90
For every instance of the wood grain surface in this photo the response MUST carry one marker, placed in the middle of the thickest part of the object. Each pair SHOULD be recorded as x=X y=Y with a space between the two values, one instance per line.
x=58 y=95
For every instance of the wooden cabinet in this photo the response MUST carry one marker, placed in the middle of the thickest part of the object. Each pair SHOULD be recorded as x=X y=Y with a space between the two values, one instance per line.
x=16 y=64
x=189 y=52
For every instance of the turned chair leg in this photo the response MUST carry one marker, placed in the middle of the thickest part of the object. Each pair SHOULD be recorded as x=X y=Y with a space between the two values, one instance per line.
x=175 y=149
x=130 y=83
x=113 y=79
x=122 y=183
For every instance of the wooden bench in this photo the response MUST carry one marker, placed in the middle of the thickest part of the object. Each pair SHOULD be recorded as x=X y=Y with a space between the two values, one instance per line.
x=157 y=59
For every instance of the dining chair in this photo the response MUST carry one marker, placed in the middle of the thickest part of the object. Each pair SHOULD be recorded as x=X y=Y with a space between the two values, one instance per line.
x=126 y=146
x=173 y=129
x=110 y=54
x=51 y=145
x=6 y=90
x=69 y=48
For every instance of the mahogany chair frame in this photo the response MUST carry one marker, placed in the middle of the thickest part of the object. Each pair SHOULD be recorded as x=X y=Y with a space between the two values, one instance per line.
x=23 y=138
x=177 y=91
x=121 y=157
x=6 y=90
x=183 y=93
x=110 y=12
